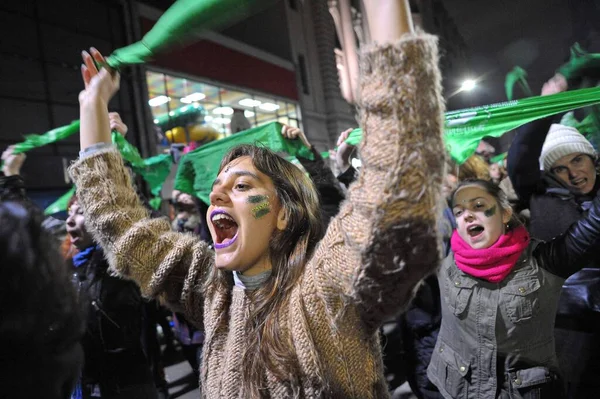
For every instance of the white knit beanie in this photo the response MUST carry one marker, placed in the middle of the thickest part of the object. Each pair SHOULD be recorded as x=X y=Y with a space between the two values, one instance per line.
x=563 y=140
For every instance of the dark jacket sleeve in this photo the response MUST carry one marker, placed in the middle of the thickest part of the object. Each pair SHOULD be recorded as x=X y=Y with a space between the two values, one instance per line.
x=570 y=252
x=330 y=193
x=523 y=158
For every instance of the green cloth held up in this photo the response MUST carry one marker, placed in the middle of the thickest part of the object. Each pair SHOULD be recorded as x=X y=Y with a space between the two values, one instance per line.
x=180 y=24
x=517 y=75
x=198 y=169
x=60 y=205
x=154 y=170
x=580 y=64
x=465 y=128
x=39 y=140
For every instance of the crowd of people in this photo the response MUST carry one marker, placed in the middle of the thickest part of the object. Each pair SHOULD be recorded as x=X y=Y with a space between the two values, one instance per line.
x=319 y=280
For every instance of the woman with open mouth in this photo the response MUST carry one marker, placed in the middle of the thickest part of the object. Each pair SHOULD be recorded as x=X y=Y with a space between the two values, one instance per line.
x=288 y=312
x=500 y=292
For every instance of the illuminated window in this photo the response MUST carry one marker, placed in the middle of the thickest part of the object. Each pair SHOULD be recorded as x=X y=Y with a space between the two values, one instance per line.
x=179 y=102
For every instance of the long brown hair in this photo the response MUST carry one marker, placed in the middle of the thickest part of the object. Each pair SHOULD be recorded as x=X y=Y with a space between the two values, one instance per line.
x=289 y=250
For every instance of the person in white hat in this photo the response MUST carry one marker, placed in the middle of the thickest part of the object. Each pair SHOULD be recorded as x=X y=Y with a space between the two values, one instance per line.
x=570 y=157
x=558 y=196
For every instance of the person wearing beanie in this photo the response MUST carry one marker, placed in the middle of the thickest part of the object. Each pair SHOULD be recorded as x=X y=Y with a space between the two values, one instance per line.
x=570 y=157
x=558 y=196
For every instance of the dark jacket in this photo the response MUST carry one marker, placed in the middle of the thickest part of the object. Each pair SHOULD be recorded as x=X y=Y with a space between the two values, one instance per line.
x=554 y=208
x=500 y=335
x=114 y=356
x=330 y=193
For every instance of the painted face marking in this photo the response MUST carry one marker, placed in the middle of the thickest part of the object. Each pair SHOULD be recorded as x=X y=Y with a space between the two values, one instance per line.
x=257 y=199
x=262 y=208
x=490 y=212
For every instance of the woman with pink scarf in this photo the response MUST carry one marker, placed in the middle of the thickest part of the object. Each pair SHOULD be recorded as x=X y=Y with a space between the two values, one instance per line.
x=500 y=291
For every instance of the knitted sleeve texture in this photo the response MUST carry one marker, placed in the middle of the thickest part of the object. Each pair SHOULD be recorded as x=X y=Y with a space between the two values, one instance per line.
x=384 y=240
x=138 y=247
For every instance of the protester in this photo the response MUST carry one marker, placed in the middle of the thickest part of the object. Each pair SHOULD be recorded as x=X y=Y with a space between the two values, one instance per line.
x=284 y=317
x=115 y=363
x=501 y=292
x=41 y=324
x=557 y=197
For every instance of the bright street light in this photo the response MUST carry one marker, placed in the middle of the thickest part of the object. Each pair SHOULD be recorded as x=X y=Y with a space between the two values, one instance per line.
x=468 y=85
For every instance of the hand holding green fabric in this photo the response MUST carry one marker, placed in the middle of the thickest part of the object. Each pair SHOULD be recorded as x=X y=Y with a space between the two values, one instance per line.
x=180 y=24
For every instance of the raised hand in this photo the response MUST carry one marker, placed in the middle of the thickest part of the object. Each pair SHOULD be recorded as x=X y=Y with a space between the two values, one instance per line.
x=12 y=162
x=342 y=156
x=293 y=133
x=100 y=84
x=556 y=84
x=100 y=87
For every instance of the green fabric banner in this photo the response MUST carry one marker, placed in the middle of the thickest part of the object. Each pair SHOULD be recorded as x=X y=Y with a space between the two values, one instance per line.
x=580 y=64
x=154 y=170
x=39 y=140
x=517 y=75
x=198 y=169
x=499 y=158
x=60 y=205
x=180 y=24
x=465 y=128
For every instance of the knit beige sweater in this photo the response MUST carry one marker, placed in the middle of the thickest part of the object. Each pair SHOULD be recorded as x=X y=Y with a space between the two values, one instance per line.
x=381 y=244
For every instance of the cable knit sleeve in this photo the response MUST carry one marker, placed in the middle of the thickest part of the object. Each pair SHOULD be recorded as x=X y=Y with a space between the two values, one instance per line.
x=138 y=247
x=384 y=240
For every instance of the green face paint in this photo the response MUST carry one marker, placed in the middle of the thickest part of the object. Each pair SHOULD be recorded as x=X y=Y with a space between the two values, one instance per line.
x=261 y=210
x=257 y=199
x=490 y=212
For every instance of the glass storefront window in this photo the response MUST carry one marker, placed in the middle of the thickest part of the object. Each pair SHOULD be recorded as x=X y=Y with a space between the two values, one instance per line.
x=179 y=102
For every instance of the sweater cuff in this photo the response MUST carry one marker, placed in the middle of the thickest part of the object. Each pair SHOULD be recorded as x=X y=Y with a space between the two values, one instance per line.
x=93 y=149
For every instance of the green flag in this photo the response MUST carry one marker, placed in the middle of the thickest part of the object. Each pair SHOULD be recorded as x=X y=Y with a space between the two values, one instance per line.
x=517 y=75
x=180 y=24
x=580 y=63
x=465 y=128
x=60 y=205
x=39 y=140
x=154 y=170
x=198 y=169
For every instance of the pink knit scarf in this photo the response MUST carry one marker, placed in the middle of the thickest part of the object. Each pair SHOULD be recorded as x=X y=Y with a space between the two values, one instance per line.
x=494 y=263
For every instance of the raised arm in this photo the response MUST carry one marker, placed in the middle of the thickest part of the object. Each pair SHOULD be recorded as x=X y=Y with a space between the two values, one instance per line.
x=143 y=249
x=526 y=148
x=570 y=252
x=384 y=240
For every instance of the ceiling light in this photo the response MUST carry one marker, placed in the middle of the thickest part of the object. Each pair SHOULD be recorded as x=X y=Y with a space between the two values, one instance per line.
x=249 y=102
x=157 y=101
x=468 y=85
x=223 y=121
x=223 y=111
x=269 y=107
x=248 y=114
x=190 y=98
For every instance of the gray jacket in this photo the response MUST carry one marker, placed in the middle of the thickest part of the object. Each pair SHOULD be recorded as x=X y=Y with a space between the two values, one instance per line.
x=490 y=329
